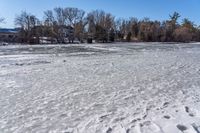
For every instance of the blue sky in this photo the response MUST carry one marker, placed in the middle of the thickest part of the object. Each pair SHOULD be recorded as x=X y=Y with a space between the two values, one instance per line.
x=154 y=9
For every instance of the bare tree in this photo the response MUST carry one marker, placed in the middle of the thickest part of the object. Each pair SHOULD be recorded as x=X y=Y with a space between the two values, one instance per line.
x=79 y=30
x=49 y=29
x=134 y=27
x=73 y=15
x=26 y=22
x=100 y=24
x=49 y=18
x=75 y=18
x=59 y=16
x=120 y=28
x=59 y=19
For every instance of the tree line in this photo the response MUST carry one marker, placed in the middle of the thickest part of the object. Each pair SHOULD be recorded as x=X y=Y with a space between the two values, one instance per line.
x=103 y=27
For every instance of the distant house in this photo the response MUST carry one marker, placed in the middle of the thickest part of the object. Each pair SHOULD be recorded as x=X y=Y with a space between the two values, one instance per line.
x=56 y=34
x=8 y=35
x=66 y=34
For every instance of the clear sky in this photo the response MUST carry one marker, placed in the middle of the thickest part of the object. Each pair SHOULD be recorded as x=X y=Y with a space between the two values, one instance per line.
x=154 y=9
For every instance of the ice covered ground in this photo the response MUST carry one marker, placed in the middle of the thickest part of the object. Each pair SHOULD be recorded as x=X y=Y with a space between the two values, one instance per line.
x=100 y=88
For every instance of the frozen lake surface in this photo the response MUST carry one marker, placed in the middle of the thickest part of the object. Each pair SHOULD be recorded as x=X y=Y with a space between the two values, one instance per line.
x=100 y=88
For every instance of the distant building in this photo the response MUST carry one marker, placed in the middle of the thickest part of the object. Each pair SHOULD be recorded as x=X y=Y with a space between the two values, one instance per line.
x=8 y=35
x=59 y=34
x=66 y=34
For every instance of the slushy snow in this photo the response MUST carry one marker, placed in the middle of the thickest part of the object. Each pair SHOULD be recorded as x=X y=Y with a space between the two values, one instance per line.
x=100 y=88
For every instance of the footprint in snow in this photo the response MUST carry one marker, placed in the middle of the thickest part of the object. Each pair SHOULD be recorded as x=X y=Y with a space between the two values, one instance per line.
x=167 y=117
x=182 y=128
x=189 y=111
x=109 y=130
x=136 y=120
x=151 y=127
x=165 y=104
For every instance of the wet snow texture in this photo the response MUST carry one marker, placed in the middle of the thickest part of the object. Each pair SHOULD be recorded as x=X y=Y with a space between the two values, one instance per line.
x=100 y=88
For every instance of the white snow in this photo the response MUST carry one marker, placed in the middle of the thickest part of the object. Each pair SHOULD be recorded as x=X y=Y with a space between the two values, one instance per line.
x=100 y=88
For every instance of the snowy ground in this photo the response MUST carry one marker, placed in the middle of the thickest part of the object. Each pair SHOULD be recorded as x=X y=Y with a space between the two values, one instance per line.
x=100 y=88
